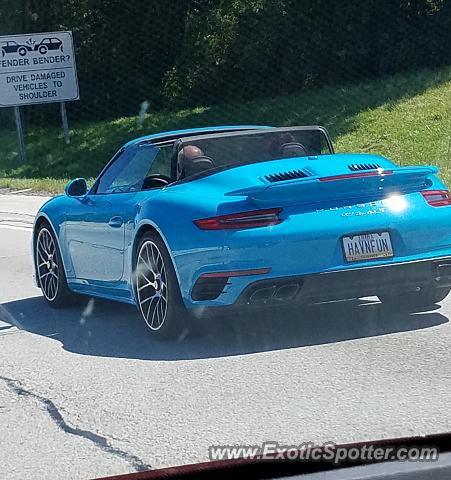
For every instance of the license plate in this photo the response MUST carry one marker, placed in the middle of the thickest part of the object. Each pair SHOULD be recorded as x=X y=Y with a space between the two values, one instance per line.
x=367 y=246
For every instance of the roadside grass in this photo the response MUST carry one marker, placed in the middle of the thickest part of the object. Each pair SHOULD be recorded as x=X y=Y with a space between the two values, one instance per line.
x=404 y=117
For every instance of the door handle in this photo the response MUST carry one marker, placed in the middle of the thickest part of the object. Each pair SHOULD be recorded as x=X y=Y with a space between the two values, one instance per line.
x=116 y=222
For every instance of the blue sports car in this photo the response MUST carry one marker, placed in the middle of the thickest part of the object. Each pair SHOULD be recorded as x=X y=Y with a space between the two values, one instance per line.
x=212 y=219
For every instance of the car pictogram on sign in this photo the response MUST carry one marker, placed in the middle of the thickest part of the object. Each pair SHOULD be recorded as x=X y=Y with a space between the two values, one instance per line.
x=49 y=43
x=14 y=47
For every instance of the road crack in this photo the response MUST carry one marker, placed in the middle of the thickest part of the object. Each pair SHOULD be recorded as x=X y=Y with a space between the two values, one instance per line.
x=55 y=415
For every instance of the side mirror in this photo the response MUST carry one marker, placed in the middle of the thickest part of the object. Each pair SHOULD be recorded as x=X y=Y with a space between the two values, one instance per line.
x=76 y=188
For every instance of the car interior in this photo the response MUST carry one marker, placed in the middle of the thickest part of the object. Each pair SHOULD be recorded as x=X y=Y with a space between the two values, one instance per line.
x=174 y=160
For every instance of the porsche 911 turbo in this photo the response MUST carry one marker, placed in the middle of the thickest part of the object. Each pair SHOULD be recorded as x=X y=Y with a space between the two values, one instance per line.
x=222 y=218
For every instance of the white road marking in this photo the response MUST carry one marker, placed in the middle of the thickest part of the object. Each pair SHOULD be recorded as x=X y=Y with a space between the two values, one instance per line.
x=14 y=227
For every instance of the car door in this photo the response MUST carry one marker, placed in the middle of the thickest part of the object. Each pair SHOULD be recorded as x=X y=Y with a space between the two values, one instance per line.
x=94 y=229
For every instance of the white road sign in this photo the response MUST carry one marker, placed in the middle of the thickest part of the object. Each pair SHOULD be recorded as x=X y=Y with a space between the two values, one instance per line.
x=37 y=68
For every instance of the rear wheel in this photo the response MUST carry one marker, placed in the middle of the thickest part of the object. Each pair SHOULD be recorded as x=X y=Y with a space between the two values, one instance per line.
x=157 y=291
x=49 y=269
x=424 y=298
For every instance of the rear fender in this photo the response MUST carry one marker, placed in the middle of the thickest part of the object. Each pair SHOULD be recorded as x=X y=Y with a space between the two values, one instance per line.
x=143 y=225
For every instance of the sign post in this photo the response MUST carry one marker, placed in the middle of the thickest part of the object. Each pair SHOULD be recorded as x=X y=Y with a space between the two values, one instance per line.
x=20 y=139
x=37 y=68
x=65 y=123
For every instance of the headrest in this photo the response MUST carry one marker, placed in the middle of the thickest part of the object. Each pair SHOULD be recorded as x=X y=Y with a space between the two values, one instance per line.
x=293 y=150
x=191 y=166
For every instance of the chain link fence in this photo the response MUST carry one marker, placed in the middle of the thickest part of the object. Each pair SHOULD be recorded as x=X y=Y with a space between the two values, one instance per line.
x=227 y=56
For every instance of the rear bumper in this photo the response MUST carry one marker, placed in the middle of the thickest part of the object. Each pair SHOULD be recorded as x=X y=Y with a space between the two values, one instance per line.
x=344 y=284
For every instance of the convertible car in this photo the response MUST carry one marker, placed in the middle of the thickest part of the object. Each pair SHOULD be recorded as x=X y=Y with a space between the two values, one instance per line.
x=212 y=219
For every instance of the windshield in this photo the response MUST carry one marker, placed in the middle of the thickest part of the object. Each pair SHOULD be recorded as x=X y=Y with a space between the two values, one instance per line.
x=221 y=151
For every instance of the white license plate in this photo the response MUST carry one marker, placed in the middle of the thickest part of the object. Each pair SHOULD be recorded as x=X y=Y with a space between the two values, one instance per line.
x=367 y=246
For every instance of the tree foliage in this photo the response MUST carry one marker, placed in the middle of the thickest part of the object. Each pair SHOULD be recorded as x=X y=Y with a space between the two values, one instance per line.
x=182 y=52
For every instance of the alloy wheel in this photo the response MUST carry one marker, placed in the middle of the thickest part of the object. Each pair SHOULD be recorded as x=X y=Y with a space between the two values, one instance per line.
x=151 y=285
x=47 y=264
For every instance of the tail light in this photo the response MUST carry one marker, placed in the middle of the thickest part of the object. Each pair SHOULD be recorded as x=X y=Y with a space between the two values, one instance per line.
x=437 y=198
x=255 y=218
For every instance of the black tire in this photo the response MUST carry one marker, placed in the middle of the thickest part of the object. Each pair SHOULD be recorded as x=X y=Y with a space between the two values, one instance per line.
x=22 y=51
x=157 y=291
x=43 y=49
x=424 y=298
x=56 y=293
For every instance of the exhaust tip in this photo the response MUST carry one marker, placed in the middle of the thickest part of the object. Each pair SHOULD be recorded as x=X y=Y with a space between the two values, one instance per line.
x=287 y=292
x=284 y=292
x=262 y=295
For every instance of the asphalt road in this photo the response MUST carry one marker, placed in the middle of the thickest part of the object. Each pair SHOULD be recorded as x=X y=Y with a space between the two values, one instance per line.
x=85 y=393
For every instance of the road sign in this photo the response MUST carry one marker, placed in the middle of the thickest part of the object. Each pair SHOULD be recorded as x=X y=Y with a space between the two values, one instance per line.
x=37 y=68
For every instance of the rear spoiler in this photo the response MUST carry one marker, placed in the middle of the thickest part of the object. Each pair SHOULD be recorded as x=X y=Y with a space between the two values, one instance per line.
x=377 y=183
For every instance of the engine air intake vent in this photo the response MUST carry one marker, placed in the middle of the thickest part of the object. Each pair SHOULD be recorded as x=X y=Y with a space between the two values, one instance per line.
x=282 y=176
x=358 y=167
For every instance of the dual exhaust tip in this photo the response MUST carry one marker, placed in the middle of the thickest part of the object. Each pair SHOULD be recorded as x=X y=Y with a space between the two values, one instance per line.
x=275 y=293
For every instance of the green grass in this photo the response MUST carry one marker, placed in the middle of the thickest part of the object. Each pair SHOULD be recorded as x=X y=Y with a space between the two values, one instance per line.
x=404 y=117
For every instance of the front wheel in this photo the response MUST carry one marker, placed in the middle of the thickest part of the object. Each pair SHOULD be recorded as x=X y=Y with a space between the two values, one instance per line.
x=49 y=269
x=156 y=289
x=424 y=298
